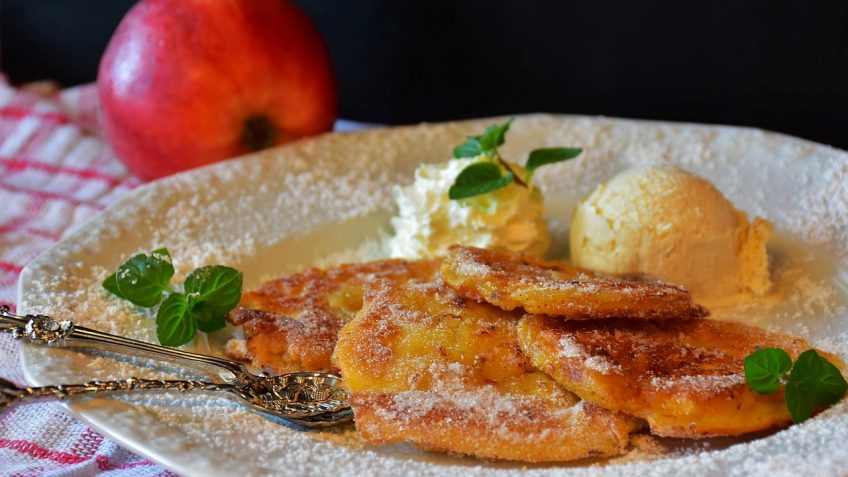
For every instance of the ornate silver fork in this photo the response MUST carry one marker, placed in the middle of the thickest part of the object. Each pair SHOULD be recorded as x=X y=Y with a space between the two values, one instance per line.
x=308 y=399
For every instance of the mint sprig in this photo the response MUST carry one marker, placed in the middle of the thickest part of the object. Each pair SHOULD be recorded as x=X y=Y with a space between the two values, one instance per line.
x=813 y=381
x=210 y=293
x=478 y=179
x=213 y=291
x=143 y=278
x=483 y=177
x=549 y=155
x=174 y=323
x=765 y=368
x=486 y=143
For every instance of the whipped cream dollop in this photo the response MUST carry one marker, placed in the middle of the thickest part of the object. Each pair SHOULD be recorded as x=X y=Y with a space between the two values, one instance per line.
x=428 y=221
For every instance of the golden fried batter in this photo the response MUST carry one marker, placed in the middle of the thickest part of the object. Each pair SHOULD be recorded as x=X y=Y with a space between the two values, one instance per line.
x=429 y=367
x=511 y=281
x=489 y=424
x=685 y=377
x=291 y=323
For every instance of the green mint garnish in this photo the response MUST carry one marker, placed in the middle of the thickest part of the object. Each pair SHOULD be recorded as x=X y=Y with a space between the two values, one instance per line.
x=481 y=180
x=478 y=179
x=549 y=155
x=765 y=368
x=213 y=291
x=111 y=285
x=210 y=293
x=174 y=323
x=813 y=381
x=470 y=148
x=485 y=143
x=143 y=278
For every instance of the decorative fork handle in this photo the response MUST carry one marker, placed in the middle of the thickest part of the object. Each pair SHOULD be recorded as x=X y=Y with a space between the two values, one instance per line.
x=40 y=329
x=11 y=394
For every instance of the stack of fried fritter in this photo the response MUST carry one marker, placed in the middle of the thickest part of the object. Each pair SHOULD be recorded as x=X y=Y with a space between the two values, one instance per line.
x=505 y=356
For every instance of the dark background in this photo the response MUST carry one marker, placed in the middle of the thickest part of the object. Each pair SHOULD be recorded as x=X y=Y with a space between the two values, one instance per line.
x=776 y=65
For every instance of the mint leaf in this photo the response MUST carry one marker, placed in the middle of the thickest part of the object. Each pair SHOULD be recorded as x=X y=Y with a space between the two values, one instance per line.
x=208 y=320
x=549 y=155
x=174 y=324
x=765 y=368
x=494 y=136
x=479 y=178
x=491 y=138
x=470 y=148
x=144 y=277
x=111 y=285
x=215 y=284
x=824 y=380
x=813 y=382
x=213 y=291
x=798 y=401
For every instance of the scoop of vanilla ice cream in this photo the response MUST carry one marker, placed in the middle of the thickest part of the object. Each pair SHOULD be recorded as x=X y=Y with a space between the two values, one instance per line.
x=675 y=226
x=428 y=222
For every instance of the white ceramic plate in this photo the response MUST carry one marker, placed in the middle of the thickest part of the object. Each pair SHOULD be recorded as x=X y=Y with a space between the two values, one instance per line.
x=329 y=199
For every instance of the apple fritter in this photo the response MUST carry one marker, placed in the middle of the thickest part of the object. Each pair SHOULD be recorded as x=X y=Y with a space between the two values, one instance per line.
x=511 y=280
x=429 y=367
x=292 y=323
x=488 y=424
x=685 y=377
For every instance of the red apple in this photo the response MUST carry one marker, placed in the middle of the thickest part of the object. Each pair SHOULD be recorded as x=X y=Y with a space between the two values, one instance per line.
x=188 y=82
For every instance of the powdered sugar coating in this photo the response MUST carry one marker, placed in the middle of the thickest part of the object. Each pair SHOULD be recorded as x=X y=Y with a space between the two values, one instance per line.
x=430 y=367
x=292 y=323
x=247 y=214
x=520 y=281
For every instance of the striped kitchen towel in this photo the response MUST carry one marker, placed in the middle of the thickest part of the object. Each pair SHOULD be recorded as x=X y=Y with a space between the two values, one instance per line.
x=57 y=172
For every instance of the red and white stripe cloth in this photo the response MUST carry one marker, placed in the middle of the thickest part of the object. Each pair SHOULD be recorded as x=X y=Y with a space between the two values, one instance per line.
x=56 y=171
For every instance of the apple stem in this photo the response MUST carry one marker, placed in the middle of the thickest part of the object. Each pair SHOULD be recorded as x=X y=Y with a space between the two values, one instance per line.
x=259 y=133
